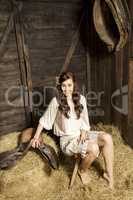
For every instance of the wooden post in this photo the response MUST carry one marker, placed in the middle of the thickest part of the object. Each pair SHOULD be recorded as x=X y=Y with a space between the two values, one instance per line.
x=88 y=57
x=129 y=134
x=118 y=86
x=28 y=71
x=24 y=67
x=72 y=47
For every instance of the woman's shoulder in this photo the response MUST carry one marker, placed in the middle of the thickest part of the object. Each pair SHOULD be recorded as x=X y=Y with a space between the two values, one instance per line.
x=54 y=100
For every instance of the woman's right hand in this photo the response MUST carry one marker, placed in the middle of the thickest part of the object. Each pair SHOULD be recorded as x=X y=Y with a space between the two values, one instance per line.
x=83 y=136
x=35 y=142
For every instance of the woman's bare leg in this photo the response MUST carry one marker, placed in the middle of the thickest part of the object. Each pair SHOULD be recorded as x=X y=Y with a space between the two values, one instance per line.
x=86 y=163
x=91 y=155
x=105 y=141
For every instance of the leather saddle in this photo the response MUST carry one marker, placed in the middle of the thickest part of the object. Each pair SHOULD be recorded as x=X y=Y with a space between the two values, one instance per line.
x=112 y=21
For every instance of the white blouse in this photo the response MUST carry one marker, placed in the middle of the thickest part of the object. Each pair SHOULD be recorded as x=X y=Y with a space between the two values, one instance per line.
x=62 y=125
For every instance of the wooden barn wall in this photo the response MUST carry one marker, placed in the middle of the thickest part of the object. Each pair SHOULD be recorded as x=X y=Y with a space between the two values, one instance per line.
x=11 y=117
x=110 y=73
x=49 y=27
x=128 y=134
x=99 y=65
x=123 y=82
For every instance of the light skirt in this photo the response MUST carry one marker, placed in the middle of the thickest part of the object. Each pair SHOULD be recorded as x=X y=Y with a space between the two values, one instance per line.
x=70 y=146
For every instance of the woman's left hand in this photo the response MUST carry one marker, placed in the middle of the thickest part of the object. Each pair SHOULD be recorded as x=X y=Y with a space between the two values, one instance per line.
x=83 y=136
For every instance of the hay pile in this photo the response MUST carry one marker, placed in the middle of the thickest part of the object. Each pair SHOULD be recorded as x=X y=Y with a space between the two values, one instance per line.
x=32 y=179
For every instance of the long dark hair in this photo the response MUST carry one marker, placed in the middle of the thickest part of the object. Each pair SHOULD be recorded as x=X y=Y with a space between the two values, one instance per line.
x=63 y=105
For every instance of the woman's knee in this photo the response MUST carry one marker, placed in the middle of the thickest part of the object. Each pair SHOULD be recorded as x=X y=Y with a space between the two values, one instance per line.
x=106 y=138
x=93 y=149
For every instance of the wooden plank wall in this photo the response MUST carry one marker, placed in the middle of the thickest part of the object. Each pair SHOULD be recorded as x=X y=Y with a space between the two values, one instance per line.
x=100 y=67
x=123 y=76
x=48 y=30
x=49 y=27
x=11 y=118
x=128 y=135
x=111 y=73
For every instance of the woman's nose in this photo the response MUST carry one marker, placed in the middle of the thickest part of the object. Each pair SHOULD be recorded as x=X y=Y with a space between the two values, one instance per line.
x=66 y=88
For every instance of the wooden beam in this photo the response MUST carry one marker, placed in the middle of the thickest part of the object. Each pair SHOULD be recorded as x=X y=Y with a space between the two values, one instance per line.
x=72 y=48
x=129 y=134
x=8 y=29
x=23 y=66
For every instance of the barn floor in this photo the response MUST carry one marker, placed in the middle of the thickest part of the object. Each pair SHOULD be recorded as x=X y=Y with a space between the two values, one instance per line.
x=32 y=178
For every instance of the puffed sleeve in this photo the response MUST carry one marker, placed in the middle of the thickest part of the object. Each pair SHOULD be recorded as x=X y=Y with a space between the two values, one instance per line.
x=85 y=124
x=48 y=118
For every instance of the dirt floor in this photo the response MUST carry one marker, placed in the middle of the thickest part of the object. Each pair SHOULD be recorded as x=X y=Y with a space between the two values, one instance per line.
x=33 y=179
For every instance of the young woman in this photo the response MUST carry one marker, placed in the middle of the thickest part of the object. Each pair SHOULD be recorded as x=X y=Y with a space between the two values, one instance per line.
x=67 y=114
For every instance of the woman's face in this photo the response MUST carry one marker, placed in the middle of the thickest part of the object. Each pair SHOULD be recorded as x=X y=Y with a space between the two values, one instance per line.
x=67 y=87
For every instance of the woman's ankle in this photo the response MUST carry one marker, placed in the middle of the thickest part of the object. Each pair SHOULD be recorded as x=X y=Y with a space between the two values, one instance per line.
x=109 y=179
